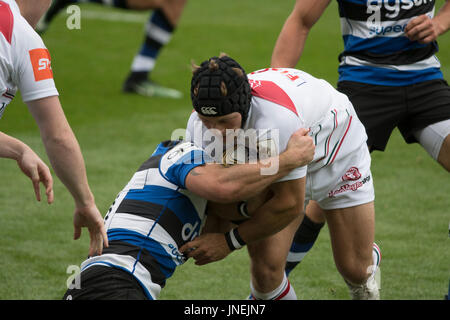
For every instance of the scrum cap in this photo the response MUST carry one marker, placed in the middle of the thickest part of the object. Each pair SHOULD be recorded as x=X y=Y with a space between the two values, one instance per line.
x=220 y=87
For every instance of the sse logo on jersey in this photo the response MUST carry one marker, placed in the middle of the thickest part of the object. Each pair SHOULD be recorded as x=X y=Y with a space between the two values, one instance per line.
x=41 y=62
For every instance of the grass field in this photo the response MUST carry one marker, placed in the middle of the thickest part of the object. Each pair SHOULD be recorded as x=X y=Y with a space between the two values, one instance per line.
x=118 y=131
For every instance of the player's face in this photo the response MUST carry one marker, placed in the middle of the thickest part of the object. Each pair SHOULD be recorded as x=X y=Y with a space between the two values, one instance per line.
x=230 y=121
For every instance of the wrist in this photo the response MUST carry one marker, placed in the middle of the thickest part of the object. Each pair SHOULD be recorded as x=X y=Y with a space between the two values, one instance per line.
x=234 y=239
x=85 y=201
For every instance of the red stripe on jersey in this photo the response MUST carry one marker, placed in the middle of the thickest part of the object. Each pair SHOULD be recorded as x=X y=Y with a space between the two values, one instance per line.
x=270 y=91
x=6 y=21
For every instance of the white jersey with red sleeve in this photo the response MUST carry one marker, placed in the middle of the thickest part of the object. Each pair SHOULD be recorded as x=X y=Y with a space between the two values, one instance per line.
x=317 y=106
x=285 y=100
x=25 y=62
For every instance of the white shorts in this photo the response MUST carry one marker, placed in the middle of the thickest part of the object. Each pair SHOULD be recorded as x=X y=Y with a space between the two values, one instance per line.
x=347 y=182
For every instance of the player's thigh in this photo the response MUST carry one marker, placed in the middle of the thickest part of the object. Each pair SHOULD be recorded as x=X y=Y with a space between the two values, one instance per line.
x=435 y=139
x=444 y=154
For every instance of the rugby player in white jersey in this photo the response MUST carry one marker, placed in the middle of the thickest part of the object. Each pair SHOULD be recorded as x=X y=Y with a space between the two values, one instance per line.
x=163 y=206
x=25 y=65
x=338 y=179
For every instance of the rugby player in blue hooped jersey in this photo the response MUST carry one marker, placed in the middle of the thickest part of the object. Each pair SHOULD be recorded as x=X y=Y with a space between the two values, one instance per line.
x=163 y=206
x=390 y=73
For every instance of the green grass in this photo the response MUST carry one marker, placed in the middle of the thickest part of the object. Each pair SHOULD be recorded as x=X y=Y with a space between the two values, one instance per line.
x=117 y=132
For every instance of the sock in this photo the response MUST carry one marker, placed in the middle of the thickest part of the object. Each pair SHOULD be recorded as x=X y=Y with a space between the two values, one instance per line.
x=158 y=33
x=304 y=239
x=284 y=292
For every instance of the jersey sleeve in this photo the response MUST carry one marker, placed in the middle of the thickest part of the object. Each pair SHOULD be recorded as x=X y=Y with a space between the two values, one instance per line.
x=176 y=164
x=33 y=72
x=275 y=131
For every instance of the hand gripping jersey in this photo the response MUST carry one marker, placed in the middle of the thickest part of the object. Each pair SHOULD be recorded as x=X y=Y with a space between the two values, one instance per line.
x=285 y=100
x=25 y=62
x=153 y=216
x=376 y=48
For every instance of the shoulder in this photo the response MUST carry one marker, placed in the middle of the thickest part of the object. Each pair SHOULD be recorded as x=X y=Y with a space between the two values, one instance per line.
x=6 y=21
x=179 y=159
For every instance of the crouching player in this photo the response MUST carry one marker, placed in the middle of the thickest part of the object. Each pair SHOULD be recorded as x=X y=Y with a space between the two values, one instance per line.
x=163 y=207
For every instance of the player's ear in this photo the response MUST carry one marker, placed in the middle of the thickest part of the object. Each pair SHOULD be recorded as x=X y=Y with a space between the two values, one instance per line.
x=194 y=67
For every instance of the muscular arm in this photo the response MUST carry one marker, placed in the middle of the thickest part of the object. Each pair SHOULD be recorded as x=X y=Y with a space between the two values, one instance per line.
x=290 y=43
x=67 y=161
x=62 y=148
x=281 y=209
x=239 y=182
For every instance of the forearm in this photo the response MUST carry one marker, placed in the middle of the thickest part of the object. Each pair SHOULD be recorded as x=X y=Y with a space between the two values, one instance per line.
x=67 y=161
x=10 y=147
x=290 y=43
x=248 y=180
x=267 y=220
x=442 y=18
x=62 y=148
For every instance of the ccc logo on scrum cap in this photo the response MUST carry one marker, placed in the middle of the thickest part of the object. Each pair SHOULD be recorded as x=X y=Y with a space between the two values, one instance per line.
x=209 y=110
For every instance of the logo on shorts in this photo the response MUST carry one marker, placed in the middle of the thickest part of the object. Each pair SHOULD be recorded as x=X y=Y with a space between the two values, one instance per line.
x=41 y=62
x=352 y=174
x=349 y=187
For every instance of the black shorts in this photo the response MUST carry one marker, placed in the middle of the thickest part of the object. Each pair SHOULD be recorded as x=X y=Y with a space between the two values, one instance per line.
x=410 y=108
x=106 y=283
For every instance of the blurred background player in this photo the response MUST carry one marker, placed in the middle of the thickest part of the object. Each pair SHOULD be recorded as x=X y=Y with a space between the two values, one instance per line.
x=279 y=101
x=25 y=65
x=158 y=32
x=162 y=207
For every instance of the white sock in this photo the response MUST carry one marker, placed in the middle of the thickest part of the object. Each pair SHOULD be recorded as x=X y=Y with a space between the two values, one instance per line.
x=283 y=292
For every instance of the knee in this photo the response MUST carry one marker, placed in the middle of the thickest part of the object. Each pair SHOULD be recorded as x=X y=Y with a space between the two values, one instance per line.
x=266 y=273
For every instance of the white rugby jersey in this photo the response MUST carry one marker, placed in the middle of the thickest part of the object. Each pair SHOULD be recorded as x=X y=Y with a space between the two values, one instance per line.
x=285 y=100
x=153 y=216
x=25 y=62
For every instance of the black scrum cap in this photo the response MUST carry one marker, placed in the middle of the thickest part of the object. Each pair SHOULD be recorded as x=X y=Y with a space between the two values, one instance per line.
x=220 y=87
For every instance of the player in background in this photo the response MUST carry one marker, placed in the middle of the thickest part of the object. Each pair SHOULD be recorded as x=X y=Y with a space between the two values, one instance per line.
x=158 y=32
x=339 y=178
x=25 y=65
x=163 y=206
x=390 y=73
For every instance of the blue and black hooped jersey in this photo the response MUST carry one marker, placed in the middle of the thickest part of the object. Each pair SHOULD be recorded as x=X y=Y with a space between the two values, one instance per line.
x=376 y=49
x=153 y=216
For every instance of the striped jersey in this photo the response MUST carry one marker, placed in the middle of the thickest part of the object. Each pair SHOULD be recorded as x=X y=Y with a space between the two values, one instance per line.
x=153 y=216
x=25 y=62
x=376 y=49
